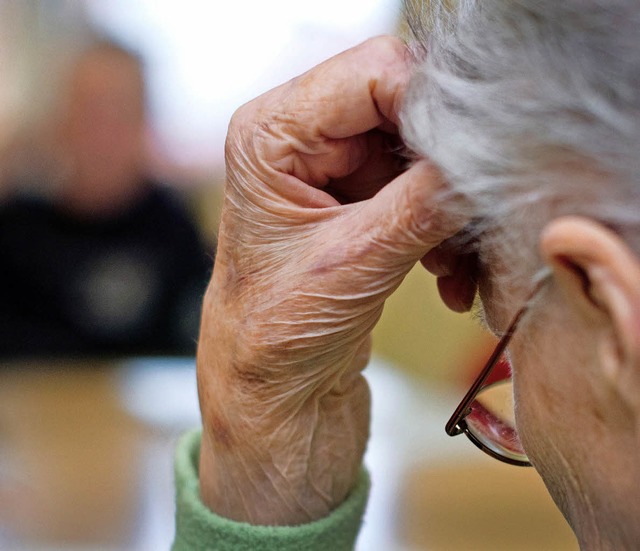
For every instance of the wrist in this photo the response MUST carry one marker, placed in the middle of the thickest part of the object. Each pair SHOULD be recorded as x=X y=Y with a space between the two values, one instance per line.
x=269 y=460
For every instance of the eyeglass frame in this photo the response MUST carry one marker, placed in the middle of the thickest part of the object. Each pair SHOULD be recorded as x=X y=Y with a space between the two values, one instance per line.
x=457 y=424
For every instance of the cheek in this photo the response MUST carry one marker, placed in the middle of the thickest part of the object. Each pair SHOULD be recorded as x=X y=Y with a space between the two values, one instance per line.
x=552 y=422
x=542 y=401
x=550 y=395
x=533 y=403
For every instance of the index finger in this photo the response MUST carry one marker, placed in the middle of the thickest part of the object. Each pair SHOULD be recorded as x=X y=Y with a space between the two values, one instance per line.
x=313 y=127
x=353 y=92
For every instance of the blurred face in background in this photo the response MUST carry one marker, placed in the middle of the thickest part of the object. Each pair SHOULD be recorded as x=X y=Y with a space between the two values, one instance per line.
x=102 y=131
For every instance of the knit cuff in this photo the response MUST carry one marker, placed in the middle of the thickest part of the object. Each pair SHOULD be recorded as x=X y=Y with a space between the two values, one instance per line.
x=198 y=528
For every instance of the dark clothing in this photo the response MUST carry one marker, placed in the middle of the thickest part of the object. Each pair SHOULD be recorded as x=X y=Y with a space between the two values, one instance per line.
x=129 y=284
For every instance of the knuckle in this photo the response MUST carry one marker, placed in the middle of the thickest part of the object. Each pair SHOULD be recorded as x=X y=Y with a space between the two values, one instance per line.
x=387 y=48
x=235 y=130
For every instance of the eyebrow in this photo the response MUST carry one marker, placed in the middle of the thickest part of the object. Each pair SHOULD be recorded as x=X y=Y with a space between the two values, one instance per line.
x=478 y=313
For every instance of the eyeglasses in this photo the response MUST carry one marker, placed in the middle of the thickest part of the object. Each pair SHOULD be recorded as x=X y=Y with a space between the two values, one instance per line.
x=486 y=413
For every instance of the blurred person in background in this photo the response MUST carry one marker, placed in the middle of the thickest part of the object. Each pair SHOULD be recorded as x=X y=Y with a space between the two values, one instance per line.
x=98 y=257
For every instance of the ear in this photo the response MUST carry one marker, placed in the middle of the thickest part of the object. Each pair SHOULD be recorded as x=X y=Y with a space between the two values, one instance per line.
x=600 y=274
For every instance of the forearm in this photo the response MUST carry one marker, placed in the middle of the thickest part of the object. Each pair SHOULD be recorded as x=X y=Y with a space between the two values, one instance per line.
x=314 y=236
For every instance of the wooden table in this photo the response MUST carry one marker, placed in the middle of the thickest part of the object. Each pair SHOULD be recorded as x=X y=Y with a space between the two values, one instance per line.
x=73 y=459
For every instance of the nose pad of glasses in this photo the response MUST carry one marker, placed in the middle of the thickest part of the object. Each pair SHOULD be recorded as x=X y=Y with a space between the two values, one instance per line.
x=491 y=423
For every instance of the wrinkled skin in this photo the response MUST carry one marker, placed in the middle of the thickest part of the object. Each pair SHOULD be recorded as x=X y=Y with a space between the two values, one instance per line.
x=320 y=224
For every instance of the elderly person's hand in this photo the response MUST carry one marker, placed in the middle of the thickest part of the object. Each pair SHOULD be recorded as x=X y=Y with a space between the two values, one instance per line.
x=319 y=226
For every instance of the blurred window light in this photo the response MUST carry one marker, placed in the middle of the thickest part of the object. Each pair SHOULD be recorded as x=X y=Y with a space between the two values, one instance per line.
x=206 y=58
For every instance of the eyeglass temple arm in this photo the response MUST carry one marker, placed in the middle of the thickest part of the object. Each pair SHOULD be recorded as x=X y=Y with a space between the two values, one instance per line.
x=453 y=426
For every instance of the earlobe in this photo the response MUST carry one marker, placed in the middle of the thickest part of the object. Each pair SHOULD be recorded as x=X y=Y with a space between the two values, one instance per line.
x=600 y=274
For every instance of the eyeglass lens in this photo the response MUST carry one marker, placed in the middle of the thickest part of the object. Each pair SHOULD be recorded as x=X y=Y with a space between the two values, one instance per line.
x=491 y=422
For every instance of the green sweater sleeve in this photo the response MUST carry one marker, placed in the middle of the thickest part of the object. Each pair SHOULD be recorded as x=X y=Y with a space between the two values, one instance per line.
x=197 y=528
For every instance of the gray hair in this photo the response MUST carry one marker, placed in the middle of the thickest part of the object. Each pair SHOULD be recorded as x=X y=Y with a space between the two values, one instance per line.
x=531 y=108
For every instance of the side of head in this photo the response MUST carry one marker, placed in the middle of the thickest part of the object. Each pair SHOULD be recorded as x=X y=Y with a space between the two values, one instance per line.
x=532 y=111
x=101 y=127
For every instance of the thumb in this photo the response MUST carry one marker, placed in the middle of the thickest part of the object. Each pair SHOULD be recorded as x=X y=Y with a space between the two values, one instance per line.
x=408 y=217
